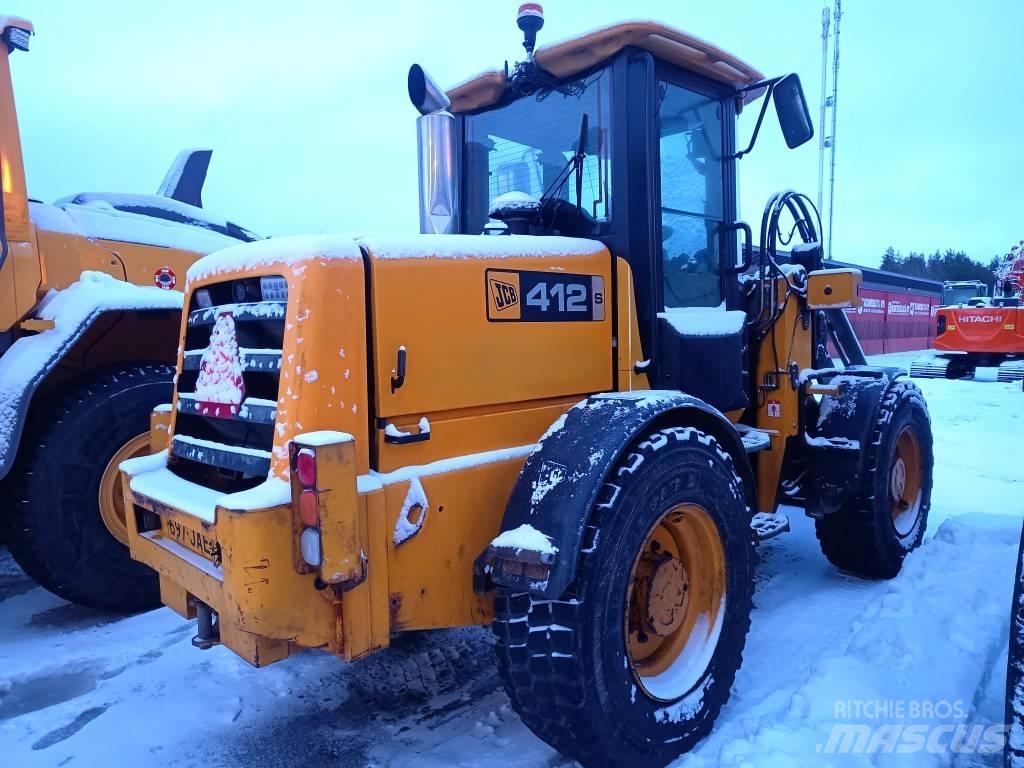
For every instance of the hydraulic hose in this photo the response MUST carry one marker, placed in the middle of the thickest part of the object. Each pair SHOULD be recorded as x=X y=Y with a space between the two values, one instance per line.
x=808 y=226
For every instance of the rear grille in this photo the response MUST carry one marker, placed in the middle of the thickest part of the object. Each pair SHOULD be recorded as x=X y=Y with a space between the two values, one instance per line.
x=228 y=448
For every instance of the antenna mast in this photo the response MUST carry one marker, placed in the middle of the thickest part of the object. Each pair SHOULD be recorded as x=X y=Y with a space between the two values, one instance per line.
x=826 y=16
x=832 y=139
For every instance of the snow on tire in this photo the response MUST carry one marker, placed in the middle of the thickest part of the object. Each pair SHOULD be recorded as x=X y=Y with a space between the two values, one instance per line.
x=621 y=670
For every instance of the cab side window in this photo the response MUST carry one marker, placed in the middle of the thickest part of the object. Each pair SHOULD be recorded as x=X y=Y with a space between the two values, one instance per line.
x=692 y=198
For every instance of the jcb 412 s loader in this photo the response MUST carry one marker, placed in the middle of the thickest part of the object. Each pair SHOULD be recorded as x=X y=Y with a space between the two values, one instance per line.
x=90 y=300
x=576 y=428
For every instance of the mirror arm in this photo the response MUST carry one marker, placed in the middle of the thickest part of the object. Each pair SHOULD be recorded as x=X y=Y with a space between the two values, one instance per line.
x=769 y=85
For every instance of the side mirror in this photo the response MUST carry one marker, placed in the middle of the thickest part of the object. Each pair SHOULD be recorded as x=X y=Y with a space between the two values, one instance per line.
x=791 y=107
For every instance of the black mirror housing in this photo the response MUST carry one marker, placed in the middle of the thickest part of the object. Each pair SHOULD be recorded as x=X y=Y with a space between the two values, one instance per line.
x=791 y=108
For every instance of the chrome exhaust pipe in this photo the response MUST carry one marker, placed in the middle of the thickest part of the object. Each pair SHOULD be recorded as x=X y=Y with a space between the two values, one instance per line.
x=438 y=150
x=426 y=95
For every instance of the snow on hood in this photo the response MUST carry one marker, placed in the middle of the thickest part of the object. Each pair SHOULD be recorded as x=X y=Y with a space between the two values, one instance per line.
x=99 y=220
x=295 y=250
x=278 y=250
x=476 y=246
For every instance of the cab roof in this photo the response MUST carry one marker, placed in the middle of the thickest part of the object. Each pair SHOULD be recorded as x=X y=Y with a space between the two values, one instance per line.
x=581 y=53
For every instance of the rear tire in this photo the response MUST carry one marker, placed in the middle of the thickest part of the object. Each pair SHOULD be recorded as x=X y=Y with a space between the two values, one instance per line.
x=569 y=665
x=873 y=532
x=55 y=530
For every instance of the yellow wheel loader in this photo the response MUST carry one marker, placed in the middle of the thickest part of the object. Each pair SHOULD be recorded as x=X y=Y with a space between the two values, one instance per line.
x=90 y=296
x=569 y=408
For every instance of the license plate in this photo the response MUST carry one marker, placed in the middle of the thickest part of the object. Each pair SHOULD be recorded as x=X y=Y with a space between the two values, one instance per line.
x=192 y=539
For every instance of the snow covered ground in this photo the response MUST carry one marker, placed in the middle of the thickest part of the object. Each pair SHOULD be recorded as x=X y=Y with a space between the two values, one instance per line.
x=928 y=648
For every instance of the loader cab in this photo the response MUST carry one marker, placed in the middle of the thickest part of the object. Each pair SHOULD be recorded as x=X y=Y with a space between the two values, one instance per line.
x=658 y=186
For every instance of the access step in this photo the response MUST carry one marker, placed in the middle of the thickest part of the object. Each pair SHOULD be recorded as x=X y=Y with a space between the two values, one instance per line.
x=754 y=440
x=767 y=526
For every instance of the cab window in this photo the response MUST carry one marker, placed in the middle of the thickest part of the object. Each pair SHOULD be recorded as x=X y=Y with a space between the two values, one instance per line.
x=692 y=196
x=524 y=145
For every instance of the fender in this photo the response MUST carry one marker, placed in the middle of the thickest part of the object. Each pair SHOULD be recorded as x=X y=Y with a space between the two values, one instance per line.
x=836 y=439
x=74 y=311
x=559 y=484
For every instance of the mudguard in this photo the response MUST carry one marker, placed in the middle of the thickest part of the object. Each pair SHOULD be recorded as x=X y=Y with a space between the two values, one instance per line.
x=26 y=364
x=559 y=484
x=836 y=439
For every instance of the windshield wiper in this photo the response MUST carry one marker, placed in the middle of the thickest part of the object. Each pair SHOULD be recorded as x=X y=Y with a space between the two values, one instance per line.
x=575 y=162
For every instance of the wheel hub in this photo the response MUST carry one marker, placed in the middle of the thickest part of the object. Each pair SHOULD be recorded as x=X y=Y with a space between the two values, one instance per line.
x=906 y=480
x=675 y=595
x=662 y=589
x=899 y=478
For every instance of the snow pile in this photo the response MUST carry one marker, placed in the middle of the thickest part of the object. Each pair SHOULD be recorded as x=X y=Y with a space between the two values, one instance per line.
x=475 y=247
x=704 y=321
x=525 y=537
x=23 y=366
x=323 y=437
x=289 y=251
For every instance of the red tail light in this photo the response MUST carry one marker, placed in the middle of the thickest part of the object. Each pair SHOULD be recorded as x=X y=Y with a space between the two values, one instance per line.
x=305 y=467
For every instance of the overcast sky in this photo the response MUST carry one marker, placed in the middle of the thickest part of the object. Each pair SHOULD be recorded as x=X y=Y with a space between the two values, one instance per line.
x=306 y=109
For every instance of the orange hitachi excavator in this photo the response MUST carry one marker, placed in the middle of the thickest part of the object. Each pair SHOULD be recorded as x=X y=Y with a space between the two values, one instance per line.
x=989 y=332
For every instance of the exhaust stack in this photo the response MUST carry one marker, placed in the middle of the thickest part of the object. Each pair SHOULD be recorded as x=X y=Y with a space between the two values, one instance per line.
x=438 y=150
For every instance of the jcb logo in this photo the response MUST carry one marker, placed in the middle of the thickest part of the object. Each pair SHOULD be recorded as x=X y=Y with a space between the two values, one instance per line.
x=505 y=294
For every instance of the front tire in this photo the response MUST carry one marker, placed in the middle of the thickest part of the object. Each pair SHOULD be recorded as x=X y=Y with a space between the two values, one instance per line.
x=668 y=554
x=873 y=533
x=66 y=528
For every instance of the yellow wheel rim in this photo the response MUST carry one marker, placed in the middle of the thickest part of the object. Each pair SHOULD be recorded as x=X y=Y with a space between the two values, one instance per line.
x=676 y=602
x=111 y=498
x=905 y=481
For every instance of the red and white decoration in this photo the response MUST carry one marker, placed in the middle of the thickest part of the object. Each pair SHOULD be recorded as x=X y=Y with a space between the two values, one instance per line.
x=165 y=278
x=220 y=388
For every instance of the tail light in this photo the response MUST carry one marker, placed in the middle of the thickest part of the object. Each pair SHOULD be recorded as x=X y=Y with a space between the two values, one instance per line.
x=309 y=508
x=310 y=544
x=326 y=508
x=305 y=467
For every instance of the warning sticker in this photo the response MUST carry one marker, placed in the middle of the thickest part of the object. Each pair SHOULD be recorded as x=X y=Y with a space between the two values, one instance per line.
x=774 y=409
